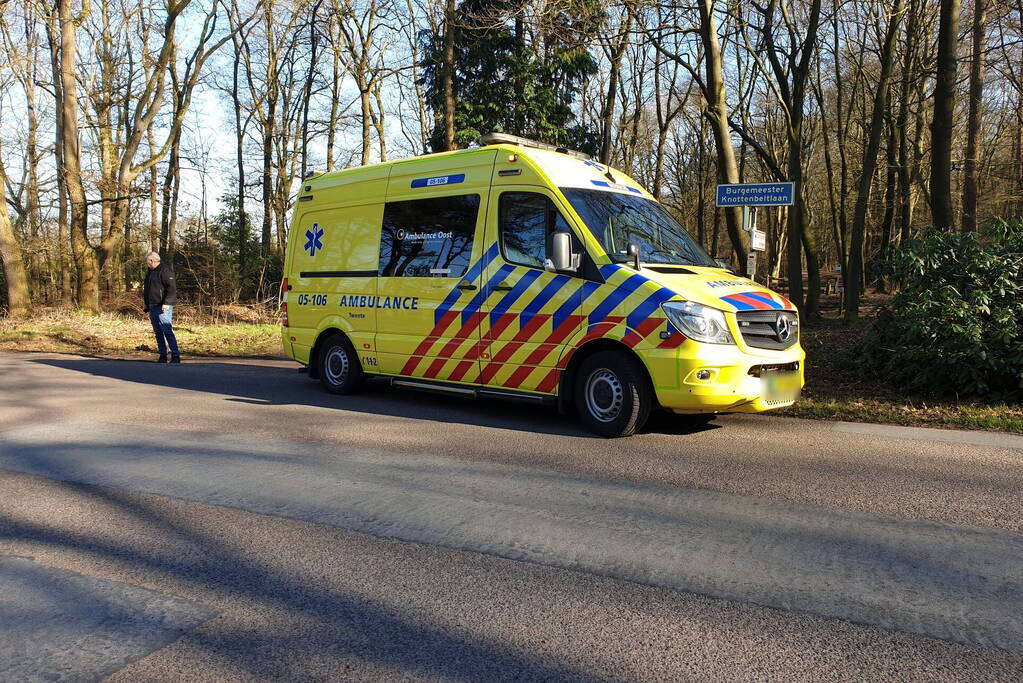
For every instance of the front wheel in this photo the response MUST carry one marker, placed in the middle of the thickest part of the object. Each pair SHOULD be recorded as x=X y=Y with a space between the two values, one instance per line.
x=612 y=394
x=339 y=368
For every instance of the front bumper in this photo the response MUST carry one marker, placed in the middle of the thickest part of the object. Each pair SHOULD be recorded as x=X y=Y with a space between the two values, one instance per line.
x=730 y=386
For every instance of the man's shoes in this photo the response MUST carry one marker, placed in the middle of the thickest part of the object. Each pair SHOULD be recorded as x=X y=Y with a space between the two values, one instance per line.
x=175 y=359
x=162 y=358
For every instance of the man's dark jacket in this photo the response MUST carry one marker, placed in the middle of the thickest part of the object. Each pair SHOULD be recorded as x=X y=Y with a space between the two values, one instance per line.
x=159 y=288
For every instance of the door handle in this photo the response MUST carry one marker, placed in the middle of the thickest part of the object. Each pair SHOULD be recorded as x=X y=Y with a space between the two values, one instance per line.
x=502 y=286
x=466 y=285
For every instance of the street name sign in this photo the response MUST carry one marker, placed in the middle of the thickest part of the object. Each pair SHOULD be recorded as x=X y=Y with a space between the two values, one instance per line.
x=755 y=194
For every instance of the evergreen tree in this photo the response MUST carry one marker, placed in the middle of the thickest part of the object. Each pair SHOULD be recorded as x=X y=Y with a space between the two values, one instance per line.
x=517 y=76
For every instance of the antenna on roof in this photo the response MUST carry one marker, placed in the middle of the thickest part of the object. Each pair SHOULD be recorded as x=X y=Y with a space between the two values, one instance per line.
x=507 y=139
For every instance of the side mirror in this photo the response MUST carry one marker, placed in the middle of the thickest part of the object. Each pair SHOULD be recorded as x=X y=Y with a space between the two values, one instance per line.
x=633 y=251
x=561 y=252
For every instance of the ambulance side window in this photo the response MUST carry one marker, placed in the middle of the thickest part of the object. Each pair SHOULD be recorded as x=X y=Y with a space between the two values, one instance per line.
x=527 y=220
x=430 y=237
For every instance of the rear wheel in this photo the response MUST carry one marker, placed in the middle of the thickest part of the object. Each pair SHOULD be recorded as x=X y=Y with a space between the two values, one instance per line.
x=612 y=394
x=339 y=367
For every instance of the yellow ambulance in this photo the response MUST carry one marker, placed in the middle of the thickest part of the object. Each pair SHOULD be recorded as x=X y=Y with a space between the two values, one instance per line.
x=523 y=271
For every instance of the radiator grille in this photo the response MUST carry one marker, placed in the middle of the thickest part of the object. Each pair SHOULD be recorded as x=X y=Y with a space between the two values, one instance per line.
x=775 y=330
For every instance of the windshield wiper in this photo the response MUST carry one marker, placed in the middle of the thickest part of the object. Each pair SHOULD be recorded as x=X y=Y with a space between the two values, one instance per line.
x=686 y=261
x=671 y=263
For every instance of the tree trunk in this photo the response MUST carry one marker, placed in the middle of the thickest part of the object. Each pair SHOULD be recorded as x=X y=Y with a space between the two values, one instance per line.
x=1019 y=155
x=841 y=131
x=448 y=113
x=833 y=199
x=11 y=258
x=796 y=221
x=154 y=202
x=379 y=122
x=169 y=216
x=869 y=166
x=905 y=177
x=916 y=171
x=943 y=124
x=84 y=254
x=366 y=118
x=67 y=298
x=53 y=38
x=799 y=218
x=33 y=212
x=335 y=102
x=716 y=111
x=608 y=109
x=243 y=222
x=308 y=90
x=890 y=202
x=112 y=247
x=268 y=151
x=109 y=161
x=970 y=170
x=701 y=201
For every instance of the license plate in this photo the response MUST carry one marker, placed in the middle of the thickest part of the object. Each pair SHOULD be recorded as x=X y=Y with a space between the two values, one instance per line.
x=779 y=386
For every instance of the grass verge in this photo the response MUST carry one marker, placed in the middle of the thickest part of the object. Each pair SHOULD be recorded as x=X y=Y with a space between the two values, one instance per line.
x=113 y=334
x=994 y=417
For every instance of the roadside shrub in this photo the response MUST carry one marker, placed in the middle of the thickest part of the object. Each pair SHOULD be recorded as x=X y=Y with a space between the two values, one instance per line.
x=956 y=325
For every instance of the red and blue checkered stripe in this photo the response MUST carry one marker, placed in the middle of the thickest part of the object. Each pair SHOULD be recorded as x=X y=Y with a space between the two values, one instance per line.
x=752 y=301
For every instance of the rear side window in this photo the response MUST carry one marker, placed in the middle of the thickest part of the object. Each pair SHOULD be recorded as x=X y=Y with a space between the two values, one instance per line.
x=428 y=237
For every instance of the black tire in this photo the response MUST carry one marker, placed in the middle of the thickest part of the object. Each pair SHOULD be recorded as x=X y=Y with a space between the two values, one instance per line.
x=613 y=394
x=339 y=367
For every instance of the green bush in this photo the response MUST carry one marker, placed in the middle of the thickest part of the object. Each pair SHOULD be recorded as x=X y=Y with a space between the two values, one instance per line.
x=956 y=326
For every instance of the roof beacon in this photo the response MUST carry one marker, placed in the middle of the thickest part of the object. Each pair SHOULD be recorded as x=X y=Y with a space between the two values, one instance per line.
x=506 y=139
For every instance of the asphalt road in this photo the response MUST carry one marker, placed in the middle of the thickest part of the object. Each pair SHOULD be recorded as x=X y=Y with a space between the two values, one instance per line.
x=231 y=520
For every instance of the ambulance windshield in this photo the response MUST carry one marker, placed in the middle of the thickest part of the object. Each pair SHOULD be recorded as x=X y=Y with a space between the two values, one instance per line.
x=617 y=219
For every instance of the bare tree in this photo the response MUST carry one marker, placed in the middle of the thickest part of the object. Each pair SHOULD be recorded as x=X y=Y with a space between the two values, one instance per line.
x=712 y=86
x=789 y=50
x=870 y=154
x=84 y=254
x=613 y=43
x=363 y=28
x=274 y=81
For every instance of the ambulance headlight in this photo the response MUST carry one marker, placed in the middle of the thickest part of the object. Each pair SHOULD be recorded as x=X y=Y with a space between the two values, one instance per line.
x=698 y=322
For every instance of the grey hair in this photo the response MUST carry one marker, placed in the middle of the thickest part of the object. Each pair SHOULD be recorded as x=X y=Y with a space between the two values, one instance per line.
x=153 y=255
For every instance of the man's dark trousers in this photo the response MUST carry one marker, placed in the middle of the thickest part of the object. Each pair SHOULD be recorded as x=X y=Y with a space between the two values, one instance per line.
x=162 y=328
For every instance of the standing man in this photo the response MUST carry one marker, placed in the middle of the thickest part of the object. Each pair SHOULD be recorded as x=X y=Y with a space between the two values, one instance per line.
x=159 y=294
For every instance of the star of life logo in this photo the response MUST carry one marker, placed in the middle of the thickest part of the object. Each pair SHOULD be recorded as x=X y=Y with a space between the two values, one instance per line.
x=313 y=239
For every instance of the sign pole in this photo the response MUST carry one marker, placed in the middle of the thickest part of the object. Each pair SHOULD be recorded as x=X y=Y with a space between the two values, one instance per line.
x=749 y=196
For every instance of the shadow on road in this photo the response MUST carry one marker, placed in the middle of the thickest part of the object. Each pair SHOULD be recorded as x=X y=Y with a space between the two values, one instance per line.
x=332 y=626
x=271 y=385
x=953 y=583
